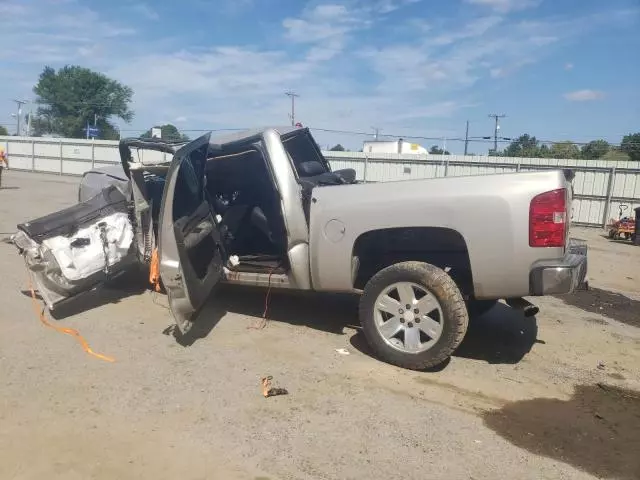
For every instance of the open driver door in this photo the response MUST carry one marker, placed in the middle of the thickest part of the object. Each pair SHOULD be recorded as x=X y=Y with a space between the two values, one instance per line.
x=189 y=244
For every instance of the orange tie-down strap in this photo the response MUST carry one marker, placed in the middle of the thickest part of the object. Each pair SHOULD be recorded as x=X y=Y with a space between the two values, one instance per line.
x=68 y=331
x=154 y=271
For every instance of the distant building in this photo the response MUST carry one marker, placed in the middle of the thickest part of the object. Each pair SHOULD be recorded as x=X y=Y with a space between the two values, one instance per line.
x=396 y=146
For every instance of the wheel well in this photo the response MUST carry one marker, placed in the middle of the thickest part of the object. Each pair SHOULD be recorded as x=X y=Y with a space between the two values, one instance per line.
x=442 y=247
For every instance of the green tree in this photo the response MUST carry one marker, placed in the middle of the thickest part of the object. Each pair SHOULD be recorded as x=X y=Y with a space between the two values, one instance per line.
x=3 y=131
x=543 y=151
x=169 y=133
x=435 y=150
x=566 y=149
x=631 y=146
x=595 y=149
x=73 y=97
x=337 y=148
x=524 y=146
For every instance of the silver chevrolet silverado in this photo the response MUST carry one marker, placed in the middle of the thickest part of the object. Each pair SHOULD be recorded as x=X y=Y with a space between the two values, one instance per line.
x=264 y=208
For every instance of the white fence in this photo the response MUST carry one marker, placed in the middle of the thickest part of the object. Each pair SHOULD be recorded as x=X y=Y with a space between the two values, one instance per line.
x=600 y=186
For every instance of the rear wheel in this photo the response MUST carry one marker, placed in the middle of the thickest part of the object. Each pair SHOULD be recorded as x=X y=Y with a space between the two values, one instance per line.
x=413 y=315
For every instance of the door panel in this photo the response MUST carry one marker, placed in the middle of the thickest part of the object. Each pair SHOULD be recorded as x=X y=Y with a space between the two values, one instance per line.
x=77 y=249
x=191 y=255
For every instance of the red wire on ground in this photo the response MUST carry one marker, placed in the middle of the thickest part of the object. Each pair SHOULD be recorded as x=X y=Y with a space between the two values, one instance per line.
x=260 y=324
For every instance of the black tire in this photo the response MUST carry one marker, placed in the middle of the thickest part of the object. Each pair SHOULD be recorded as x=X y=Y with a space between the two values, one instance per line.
x=455 y=318
x=477 y=308
x=612 y=234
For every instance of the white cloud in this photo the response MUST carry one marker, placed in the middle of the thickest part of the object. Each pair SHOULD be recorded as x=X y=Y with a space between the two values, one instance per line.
x=503 y=71
x=443 y=59
x=388 y=6
x=411 y=86
x=584 y=95
x=146 y=11
x=475 y=28
x=568 y=66
x=329 y=11
x=506 y=5
x=328 y=27
x=421 y=25
x=327 y=22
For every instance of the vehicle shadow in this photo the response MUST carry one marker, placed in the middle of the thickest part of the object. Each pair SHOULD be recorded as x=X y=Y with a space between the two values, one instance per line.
x=126 y=285
x=330 y=313
x=500 y=336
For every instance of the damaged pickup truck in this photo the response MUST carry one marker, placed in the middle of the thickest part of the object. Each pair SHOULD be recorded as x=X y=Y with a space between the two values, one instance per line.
x=264 y=208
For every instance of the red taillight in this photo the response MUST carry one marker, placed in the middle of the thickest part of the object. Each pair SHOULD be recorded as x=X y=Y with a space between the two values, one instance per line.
x=548 y=219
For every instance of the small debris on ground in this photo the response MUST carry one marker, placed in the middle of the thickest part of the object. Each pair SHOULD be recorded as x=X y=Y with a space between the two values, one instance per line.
x=269 y=391
x=343 y=351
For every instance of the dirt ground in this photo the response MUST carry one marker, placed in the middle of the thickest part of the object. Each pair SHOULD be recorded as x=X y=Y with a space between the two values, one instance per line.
x=544 y=398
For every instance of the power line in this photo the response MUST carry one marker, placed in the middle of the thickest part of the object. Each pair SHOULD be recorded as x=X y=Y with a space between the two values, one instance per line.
x=466 y=139
x=454 y=139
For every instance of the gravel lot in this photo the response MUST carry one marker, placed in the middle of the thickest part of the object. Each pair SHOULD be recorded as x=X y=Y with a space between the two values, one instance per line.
x=553 y=397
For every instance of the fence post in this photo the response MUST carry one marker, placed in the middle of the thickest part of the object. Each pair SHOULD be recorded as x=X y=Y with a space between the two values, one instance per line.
x=518 y=167
x=93 y=154
x=33 y=155
x=366 y=164
x=607 y=207
x=61 y=165
x=446 y=166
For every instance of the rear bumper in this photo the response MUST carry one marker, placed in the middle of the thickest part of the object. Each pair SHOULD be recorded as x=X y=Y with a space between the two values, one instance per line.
x=563 y=275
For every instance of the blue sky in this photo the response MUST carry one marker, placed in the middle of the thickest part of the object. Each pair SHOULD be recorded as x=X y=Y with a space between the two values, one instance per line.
x=559 y=69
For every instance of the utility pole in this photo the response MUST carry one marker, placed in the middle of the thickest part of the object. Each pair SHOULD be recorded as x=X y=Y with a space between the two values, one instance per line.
x=466 y=139
x=292 y=96
x=495 y=131
x=377 y=132
x=29 y=120
x=19 y=103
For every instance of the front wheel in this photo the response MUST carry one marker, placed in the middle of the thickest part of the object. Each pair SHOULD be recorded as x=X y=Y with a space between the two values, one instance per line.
x=413 y=315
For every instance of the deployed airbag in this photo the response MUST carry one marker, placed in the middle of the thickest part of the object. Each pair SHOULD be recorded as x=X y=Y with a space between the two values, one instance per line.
x=72 y=251
x=64 y=222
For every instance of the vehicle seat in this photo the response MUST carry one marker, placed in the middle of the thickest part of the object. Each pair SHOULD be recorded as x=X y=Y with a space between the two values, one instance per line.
x=314 y=174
